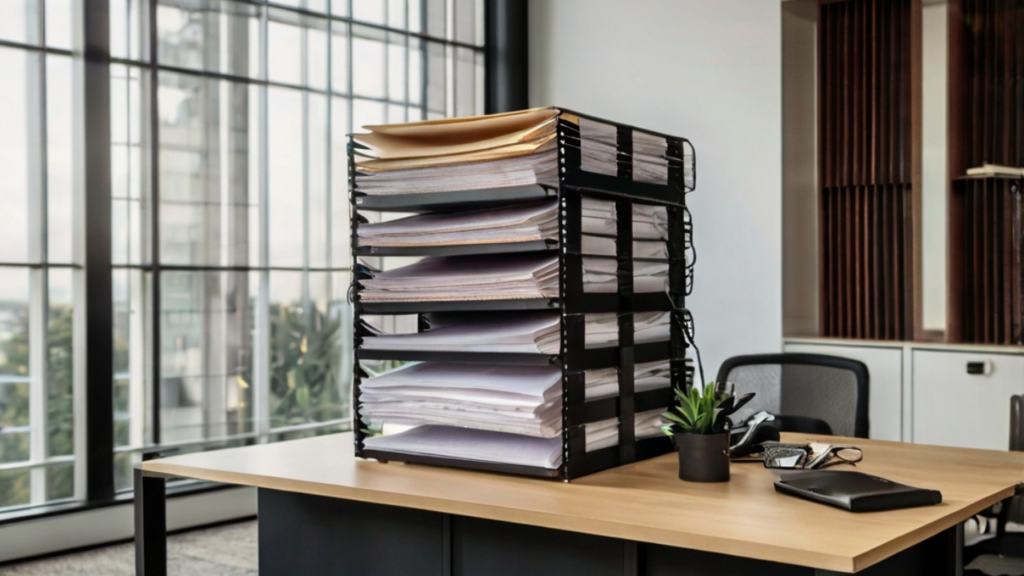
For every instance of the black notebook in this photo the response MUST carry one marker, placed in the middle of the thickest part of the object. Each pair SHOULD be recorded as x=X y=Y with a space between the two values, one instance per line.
x=855 y=491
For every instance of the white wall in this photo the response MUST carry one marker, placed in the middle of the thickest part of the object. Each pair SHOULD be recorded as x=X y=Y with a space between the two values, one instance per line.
x=709 y=70
x=933 y=164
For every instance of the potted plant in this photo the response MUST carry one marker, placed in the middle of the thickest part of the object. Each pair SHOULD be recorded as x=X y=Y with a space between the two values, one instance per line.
x=700 y=428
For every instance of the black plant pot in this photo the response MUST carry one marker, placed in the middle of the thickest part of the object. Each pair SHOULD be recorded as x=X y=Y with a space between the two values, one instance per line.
x=703 y=457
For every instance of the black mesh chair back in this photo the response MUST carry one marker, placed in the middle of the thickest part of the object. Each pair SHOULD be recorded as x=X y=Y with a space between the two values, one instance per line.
x=828 y=388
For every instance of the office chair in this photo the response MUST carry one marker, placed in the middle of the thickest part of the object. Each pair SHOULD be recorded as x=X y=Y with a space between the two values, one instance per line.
x=1002 y=552
x=810 y=393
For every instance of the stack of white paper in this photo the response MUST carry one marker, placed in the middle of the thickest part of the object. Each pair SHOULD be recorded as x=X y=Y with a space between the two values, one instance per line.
x=523 y=400
x=539 y=167
x=649 y=222
x=600 y=276
x=606 y=432
x=591 y=245
x=507 y=224
x=599 y=152
x=604 y=383
x=524 y=333
x=473 y=445
x=509 y=149
x=513 y=276
x=603 y=329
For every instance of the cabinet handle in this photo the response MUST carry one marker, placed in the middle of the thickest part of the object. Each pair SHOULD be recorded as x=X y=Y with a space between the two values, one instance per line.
x=979 y=368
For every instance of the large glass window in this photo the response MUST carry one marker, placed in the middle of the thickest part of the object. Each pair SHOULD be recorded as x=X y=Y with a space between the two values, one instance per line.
x=37 y=270
x=229 y=214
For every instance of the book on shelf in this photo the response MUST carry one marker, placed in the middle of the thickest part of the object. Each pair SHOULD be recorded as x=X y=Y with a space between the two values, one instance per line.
x=996 y=170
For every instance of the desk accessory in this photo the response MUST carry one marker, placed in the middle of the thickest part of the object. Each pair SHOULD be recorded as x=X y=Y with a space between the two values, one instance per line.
x=700 y=429
x=746 y=439
x=855 y=491
x=808 y=456
x=608 y=180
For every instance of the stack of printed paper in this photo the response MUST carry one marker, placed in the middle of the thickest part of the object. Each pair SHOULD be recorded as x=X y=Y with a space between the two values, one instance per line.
x=524 y=333
x=507 y=224
x=473 y=445
x=604 y=383
x=523 y=400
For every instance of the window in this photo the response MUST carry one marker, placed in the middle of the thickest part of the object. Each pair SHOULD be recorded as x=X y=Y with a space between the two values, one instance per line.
x=37 y=271
x=229 y=215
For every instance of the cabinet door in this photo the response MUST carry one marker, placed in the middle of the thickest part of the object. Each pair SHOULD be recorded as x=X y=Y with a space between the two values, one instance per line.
x=954 y=408
x=885 y=389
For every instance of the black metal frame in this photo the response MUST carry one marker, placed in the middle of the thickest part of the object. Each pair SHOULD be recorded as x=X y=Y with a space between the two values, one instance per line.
x=573 y=303
x=859 y=369
x=507 y=56
x=99 y=307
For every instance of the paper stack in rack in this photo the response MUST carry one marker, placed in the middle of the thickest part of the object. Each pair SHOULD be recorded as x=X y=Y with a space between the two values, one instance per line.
x=600 y=276
x=524 y=333
x=604 y=383
x=513 y=276
x=605 y=433
x=649 y=222
x=603 y=329
x=507 y=224
x=605 y=246
x=472 y=445
x=599 y=152
x=523 y=400
x=511 y=149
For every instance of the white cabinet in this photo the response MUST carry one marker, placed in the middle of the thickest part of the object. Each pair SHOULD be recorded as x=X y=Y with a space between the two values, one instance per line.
x=954 y=408
x=885 y=393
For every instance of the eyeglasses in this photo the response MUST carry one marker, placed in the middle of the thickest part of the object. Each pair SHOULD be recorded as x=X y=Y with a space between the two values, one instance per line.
x=836 y=455
x=813 y=456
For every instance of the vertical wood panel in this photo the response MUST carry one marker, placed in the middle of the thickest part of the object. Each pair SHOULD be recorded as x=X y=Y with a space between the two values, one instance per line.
x=865 y=64
x=986 y=40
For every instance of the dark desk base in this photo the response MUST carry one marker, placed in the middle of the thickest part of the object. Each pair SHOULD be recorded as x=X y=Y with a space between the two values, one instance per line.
x=303 y=535
x=310 y=535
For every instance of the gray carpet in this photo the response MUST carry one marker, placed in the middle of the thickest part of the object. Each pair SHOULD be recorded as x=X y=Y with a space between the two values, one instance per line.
x=228 y=550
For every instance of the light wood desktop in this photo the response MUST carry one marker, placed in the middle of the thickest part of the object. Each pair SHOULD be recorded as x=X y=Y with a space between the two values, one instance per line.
x=644 y=502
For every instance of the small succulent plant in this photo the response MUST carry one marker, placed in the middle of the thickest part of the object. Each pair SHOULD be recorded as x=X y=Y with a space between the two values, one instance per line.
x=704 y=411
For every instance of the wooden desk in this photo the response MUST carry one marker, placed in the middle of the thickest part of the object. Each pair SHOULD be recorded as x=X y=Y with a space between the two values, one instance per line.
x=648 y=521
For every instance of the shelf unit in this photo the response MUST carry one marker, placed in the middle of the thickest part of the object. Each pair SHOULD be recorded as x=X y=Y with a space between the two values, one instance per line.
x=986 y=125
x=573 y=303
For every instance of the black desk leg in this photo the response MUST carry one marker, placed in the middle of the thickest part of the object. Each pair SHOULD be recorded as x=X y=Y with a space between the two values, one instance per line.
x=150 y=525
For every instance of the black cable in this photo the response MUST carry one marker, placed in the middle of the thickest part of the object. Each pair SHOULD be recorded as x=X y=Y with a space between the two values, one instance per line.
x=696 y=350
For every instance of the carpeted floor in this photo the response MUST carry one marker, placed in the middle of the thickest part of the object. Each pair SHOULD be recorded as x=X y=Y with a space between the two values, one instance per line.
x=228 y=550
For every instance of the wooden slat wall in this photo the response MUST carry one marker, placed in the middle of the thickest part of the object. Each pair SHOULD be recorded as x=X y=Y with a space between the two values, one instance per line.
x=986 y=125
x=866 y=225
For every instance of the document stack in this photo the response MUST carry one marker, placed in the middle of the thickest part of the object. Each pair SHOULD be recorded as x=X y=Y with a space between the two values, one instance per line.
x=545 y=256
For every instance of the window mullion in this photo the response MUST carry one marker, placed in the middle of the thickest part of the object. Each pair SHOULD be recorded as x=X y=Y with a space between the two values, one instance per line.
x=37 y=225
x=261 y=344
x=93 y=291
x=152 y=171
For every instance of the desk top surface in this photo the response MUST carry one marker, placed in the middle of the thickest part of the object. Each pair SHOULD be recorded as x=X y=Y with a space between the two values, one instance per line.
x=645 y=501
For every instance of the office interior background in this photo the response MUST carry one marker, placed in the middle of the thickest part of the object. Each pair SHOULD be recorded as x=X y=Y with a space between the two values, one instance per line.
x=218 y=134
x=198 y=174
